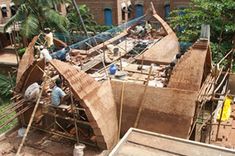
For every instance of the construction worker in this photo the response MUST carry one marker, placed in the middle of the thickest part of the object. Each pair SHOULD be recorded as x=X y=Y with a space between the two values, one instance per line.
x=32 y=92
x=62 y=55
x=44 y=53
x=148 y=27
x=49 y=39
x=57 y=94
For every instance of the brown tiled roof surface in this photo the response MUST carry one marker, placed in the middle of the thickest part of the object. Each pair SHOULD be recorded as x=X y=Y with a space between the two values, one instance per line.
x=188 y=72
x=97 y=99
x=26 y=61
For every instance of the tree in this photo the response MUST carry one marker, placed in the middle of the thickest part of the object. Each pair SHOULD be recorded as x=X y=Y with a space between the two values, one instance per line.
x=75 y=23
x=219 y=14
x=35 y=15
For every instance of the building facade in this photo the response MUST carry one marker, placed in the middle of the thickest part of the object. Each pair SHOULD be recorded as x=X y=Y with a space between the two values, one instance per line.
x=115 y=12
x=8 y=9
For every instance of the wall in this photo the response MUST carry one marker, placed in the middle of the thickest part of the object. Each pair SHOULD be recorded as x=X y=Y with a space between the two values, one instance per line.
x=97 y=7
x=167 y=111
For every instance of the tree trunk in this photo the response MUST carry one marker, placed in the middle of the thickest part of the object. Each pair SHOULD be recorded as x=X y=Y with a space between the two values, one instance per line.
x=79 y=14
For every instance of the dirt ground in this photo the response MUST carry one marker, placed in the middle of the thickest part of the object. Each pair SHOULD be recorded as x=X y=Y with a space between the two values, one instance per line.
x=42 y=144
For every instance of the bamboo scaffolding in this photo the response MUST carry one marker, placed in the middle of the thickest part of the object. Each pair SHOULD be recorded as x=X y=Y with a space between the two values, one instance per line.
x=30 y=121
x=14 y=117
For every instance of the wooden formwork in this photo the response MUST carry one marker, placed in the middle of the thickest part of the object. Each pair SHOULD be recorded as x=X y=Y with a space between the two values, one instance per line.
x=165 y=50
x=167 y=111
x=97 y=99
x=192 y=68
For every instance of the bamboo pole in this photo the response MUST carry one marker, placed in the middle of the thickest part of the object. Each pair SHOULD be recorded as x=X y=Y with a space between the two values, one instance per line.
x=121 y=109
x=225 y=56
x=30 y=121
x=80 y=17
x=15 y=116
x=221 y=113
x=74 y=116
x=218 y=87
x=68 y=118
x=143 y=98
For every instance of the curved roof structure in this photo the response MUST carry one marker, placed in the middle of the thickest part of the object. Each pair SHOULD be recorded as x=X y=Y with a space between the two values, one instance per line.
x=164 y=51
x=189 y=71
x=101 y=112
x=27 y=62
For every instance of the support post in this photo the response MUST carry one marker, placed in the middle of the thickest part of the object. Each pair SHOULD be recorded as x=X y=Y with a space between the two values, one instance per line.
x=143 y=98
x=121 y=109
x=74 y=115
x=80 y=16
x=30 y=121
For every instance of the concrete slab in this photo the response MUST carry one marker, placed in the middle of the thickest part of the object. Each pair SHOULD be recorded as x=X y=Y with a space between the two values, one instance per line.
x=138 y=142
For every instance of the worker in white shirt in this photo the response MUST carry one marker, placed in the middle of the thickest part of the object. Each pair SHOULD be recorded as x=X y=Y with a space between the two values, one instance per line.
x=32 y=92
x=44 y=53
x=148 y=27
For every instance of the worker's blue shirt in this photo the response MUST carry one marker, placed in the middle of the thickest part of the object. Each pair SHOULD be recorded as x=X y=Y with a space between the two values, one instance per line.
x=60 y=55
x=56 y=95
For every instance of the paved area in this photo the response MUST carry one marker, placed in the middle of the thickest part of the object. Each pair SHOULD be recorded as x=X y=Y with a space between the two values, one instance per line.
x=7 y=57
x=226 y=136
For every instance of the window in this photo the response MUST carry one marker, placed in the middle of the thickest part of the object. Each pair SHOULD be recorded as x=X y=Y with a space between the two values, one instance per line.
x=4 y=10
x=167 y=10
x=139 y=10
x=12 y=8
x=108 y=17
x=124 y=10
x=129 y=9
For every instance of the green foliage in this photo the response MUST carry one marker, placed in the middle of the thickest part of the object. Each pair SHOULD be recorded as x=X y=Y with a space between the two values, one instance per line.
x=35 y=15
x=3 y=106
x=6 y=85
x=219 y=14
x=21 y=52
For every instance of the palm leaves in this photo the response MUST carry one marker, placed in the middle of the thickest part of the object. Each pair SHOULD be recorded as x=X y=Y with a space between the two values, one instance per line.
x=35 y=15
x=6 y=85
x=30 y=26
x=55 y=20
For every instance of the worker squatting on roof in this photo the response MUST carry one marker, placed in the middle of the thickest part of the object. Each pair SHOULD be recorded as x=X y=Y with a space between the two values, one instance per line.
x=48 y=50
